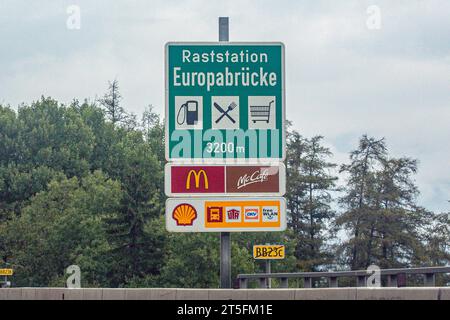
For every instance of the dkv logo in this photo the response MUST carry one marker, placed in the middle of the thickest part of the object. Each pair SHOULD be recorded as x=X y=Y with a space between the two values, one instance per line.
x=251 y=214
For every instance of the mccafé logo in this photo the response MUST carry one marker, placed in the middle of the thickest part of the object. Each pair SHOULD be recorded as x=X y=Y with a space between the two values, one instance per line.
x=197 y=175
x=259 y=176
x=253 y=179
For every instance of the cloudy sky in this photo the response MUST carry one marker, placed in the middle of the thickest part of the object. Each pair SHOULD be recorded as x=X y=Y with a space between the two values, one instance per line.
x=348 y=72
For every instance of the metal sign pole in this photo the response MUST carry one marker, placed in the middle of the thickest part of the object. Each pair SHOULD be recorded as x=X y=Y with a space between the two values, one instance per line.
x=269 y=280
x=225 y=238
x=225 y=260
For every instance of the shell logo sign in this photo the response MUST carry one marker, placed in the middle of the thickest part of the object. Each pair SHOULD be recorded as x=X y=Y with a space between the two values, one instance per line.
x=226 y=215
x=184 y=214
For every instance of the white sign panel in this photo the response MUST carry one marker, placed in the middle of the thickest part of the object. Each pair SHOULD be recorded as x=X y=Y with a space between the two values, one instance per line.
x=226 y=214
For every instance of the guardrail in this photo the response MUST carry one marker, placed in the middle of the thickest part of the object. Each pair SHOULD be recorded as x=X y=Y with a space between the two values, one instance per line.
x=225 y=294
x=395 y=277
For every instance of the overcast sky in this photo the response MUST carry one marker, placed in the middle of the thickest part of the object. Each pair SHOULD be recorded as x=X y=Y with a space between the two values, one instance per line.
x=347 y=72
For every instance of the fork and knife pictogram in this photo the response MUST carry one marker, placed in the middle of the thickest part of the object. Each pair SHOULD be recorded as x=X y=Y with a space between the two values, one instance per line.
x=225 y=113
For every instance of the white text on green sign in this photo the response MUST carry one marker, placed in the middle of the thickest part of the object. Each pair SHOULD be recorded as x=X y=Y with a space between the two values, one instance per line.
x=225 y=101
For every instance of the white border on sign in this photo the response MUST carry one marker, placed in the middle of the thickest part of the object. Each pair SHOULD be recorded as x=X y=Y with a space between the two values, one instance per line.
x=225 y=160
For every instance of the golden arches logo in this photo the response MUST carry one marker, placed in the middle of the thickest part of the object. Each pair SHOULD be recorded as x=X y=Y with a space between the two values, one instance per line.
x=197 y=175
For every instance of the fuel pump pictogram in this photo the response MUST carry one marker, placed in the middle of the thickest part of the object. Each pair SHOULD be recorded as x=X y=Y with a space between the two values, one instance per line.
x=189 y=113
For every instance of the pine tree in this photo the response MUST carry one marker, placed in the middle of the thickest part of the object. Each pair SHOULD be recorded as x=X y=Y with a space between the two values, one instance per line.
x=309 y=185
x=396 y=225
x=136 y=252
x=438 y=240
x=111 y=102
x=358 y=196
x=150 y=119
x=114 y=110
x=385 y=224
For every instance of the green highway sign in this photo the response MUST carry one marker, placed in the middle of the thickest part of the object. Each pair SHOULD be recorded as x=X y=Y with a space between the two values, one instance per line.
x=225 y=101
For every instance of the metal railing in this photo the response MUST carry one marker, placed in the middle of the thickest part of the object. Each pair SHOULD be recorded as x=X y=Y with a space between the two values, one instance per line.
x=395 y=277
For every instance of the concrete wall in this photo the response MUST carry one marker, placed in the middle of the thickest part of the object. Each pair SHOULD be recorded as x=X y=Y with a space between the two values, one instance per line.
x=226 y=294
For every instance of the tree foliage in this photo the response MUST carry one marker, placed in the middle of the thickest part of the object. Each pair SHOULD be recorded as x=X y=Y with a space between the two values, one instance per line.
x=310 y=183
x=84 y=184
x=385 y=225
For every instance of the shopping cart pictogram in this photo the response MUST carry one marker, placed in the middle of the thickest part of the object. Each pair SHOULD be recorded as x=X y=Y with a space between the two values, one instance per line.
x=261 y=113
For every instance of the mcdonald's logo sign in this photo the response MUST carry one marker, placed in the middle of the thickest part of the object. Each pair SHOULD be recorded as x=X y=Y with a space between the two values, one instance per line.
x=197 y=175
x=197 y=179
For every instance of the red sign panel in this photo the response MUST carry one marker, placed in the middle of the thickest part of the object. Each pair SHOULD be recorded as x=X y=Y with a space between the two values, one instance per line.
x=185 y=180
x=198 y=179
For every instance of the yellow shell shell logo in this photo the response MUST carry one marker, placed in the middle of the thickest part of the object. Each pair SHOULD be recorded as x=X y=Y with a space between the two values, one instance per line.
x=184 y=214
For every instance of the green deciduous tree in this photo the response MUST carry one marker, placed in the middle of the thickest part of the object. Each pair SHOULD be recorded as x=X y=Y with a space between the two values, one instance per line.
x=63 y=226
x=54 y=136
x=47 y=142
